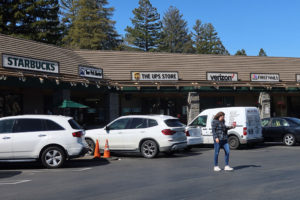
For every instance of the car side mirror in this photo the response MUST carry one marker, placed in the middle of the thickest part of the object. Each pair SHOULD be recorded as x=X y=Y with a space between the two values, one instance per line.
x=106 y=128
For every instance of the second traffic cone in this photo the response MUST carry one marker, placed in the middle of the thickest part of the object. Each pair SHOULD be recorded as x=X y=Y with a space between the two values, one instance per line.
x=106 y=150
x=97 y=150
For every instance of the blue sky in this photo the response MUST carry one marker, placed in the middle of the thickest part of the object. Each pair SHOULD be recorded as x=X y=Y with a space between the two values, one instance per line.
x=250 y=24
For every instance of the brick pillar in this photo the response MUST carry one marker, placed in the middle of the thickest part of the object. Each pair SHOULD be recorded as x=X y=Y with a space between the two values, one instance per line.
x=114 y=105
x=193 y=106
x=265 y=102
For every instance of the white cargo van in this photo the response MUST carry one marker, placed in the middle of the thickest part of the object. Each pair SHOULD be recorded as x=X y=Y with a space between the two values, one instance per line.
x=248 y=126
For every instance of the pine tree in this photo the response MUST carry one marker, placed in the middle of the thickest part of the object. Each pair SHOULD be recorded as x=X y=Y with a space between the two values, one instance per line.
x=207 y=40
x=89 y=25
x=175 y=34
x=241 y=52
x=146 y=27
x=32 y=19
x=262 y=52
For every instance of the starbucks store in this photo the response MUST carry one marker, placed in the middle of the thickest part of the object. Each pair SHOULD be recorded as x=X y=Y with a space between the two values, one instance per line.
x=37 y=78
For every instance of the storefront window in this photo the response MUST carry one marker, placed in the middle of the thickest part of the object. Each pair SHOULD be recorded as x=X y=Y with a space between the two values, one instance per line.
x=10 y=105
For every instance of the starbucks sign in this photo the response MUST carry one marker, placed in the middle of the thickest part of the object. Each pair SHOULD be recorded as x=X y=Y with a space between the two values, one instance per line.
x=23 y=63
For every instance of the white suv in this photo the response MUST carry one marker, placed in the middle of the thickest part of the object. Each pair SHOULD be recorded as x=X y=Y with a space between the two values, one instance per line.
x=148 y=134
x=48 y=138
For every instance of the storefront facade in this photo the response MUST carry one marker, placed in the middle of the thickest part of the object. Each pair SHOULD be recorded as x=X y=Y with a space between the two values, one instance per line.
x=36 y=78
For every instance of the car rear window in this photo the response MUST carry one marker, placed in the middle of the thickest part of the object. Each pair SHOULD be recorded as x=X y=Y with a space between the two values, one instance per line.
x=152 y=122
x=52 y=126
x=74 y=124
x=174 y=123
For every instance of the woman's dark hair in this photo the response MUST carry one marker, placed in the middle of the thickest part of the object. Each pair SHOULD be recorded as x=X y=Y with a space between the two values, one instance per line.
x=218 y=115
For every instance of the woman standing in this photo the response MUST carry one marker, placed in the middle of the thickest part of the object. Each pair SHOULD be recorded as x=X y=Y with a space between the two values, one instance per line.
x=220 y=136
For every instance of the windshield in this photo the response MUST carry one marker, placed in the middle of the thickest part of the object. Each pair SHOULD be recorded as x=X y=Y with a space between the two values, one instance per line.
x=295 y=120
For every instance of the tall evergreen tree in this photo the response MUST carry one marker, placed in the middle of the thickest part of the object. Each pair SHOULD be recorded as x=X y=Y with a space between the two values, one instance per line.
x=32 y=19
x=207 y=40
x=241 y=52
x=262 y=52
x=89 y=25
x=146 y=27
x=175 y=35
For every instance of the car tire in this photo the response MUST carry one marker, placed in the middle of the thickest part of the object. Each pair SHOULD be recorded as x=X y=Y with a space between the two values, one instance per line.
x=53 y=157
x=233 y=142
x=289 y=140
x=91 y=145
x=149 y=149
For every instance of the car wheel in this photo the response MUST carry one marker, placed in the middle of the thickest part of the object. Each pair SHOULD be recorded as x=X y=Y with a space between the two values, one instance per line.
x=233 y=142
x=289 y=140
x=53 y=157
x=91 y=145
x=149 y=149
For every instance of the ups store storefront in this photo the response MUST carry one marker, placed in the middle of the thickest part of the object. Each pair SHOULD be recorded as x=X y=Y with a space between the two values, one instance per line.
x=36 y=78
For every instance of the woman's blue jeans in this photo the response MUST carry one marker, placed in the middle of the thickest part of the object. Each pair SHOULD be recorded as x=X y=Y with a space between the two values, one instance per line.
x=222 y=144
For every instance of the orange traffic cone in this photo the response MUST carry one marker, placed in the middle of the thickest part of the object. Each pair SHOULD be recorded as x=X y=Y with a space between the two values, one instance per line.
x=97 y=150
x=106 y=150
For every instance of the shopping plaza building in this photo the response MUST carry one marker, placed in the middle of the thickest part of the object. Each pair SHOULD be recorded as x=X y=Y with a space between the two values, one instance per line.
x=35 y=78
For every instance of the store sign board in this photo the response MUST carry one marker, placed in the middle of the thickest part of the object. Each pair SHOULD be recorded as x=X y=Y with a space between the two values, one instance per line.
x=154 y=76
x=265 y=77
x=24 y=63
x=222 y=77
x=90 y=72
x=298 y=77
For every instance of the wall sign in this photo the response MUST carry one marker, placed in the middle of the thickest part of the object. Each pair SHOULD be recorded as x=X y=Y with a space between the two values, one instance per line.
x=23 y=63
x=216 y=76
x=90 y=72
x=154 y=76
x=265 y=77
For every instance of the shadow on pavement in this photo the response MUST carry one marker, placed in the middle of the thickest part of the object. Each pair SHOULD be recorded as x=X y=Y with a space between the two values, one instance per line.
x=86 y=162
x=76 y=163
x=161 y=155
x=8 y=174
x=246 y=166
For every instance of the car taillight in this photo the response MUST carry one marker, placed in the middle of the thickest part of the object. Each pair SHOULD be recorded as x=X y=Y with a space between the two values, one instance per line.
x=245 y=131
x=168 y=132
x=187 y=133
x=77 y=134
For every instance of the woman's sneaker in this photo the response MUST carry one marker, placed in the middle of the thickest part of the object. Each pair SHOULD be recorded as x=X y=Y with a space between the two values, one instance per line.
x=228 y=168
x=217 y=169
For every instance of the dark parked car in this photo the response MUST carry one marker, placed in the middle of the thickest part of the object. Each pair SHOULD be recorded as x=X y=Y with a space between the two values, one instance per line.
x=283 y=129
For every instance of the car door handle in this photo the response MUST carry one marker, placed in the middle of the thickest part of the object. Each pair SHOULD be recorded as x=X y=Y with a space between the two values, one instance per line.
x=42 y=135
x=204 y=128
x=6 y=138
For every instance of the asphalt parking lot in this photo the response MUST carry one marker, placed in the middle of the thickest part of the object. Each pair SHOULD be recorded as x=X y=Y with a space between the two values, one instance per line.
x=266 y=172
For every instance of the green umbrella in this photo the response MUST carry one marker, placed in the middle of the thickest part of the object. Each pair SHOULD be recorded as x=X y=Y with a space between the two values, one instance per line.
x=71 y=104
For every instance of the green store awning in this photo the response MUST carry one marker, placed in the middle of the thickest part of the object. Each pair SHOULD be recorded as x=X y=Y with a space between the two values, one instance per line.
x=71 y=104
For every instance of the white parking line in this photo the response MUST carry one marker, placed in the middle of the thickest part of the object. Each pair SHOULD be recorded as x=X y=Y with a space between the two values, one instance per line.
x=15 y=182
x=83 y=169
x=57 y=170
